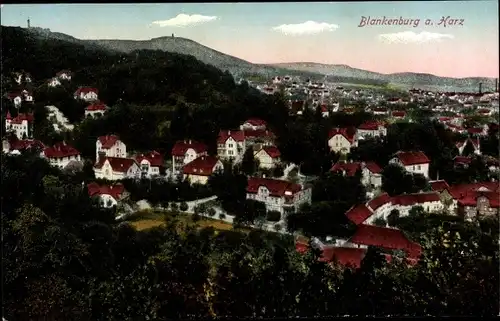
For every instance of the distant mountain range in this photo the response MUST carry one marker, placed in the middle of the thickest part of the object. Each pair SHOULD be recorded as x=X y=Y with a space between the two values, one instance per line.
x=242 y=68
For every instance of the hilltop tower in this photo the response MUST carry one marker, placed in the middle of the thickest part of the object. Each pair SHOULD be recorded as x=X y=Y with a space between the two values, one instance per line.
x=480 y=87
x=496 y=85
x=172 y=35
x=28 y=23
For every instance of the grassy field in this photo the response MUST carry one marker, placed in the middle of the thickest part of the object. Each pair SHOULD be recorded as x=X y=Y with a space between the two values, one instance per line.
x=148 y=219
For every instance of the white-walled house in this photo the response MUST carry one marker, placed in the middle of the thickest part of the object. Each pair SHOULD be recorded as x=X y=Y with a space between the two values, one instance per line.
x=341 y=140
x=54 y=82
x=64 y=74
x=371 y=173
x=109 y=195
x=475 y=142
x=431 y=202
x=21 y=125
x=151 y=164
x=380 y=206
x=415 y=162
x=199 y=170
x=268 y=156
x=97 y=109
x=110 y=146
x=116 y=168
x=185 y=152
x=86 y=93
x=371 y=129
x=61 y=155
x=254 y=124
x=16 y=98
x=278 y=195
x=231 y=144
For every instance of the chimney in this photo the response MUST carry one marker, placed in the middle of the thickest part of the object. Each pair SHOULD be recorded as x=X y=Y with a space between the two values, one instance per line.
x=190 y=142
x=229 y=132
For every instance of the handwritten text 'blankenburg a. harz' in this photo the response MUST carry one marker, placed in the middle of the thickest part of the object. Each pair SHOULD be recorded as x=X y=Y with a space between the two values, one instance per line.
x=393 y=21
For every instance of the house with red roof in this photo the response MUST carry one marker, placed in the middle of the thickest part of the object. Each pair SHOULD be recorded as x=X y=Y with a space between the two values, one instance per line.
x=467 y=191
x=380 y=111
x=268 y=156
x=151 y=164
x=21 y=125
x=116 y=168
x=278 y=195
x=462 y=161
x=341 y=140
x=474 y=141
x=371 y=129
x=387 y=239
x=430 y=202
x=61 y=155
x=371 y=173
x=254 y=124
x=110 y=146
x=64 y=75
x=14 y=145
x=259 y=136
x=381 y=206
x=199 y=170
x=478 y=203
x=15 y=97
x=96 y=109
x=398 y=114
x=415 y=162
x=185 y=152
x=88 y=94
x=109 y=195
x=231 y=144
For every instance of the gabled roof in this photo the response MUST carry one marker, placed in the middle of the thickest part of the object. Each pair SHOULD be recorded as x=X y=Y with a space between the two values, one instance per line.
x=416 y=198
x=98 y=105
x=154 y=158
x=276 y=187
x=237 y=135
x=258 y=133
x=85 y=90
x=460 y=191
x=348 y=133
x=181 y=147
x=462 y=160
x=439 y=186
x=60 y=150
x=412 y=158
x=358 y=214
x=118 y=164
x=387 y=238
x=108 y=141
x=370 y=125
x=201 y=166
x=351 y=168
x=17 y=144
x=272 y=151
x=20 y=118
x=470 y=198
x=398 y=114
x=345 y=256
x=114 y=190
x=256 y=122
x=378 y=201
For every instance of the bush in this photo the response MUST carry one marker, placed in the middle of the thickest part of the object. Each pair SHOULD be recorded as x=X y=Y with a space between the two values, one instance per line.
x=277 y=227
x=195 y=217
x=211 y=212
x=278 y=171
x=183 y=207
x=222 y=216
x=380 y=222
x=273 y=216
x=393 y=218
x=174 y=206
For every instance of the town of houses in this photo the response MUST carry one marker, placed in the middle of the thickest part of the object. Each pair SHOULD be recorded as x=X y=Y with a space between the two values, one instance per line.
x=190 y=160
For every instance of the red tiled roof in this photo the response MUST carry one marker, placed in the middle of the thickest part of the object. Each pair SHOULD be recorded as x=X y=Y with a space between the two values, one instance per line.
x=20 y=118
x=370 y=125
x=272 y=151
x=108 y=141
x=276 y=187
x=459 y=191
x=13 y=95
x=398 y=114
x=476 y=130
x=378 y=201
x=387 y=238
x=17 y=144
x=118 y=164
x=470 y=198
x=256 y=122
x=96 y=106
x=237 y=135
x=202 y=166
x=60 y=150
x=380 y=109
x=439 y=186
x=373 y=167
x=358 y=214
x=114 y=190
x=416 y=198
x=412 y=158
x=85 y=90
x=351 y=168
x=154 y=158
x=348 y=133
x=462 y=160
x=260 y=133
x=345 y=256
x=181 y=147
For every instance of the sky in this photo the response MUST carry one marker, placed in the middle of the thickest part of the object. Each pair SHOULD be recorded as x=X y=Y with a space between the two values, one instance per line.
x=463 y=45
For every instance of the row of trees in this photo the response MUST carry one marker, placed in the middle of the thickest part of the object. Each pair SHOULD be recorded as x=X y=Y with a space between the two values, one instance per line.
x=65 y=258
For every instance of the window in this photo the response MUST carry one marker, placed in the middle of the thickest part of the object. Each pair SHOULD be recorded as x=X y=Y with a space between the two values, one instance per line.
x=418 y=167
x=230 y=145
x=230 y=152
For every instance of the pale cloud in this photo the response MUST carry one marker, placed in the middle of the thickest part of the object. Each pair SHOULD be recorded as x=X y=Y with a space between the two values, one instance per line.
x=413 y=37
x=305 y=28
x=184 y=20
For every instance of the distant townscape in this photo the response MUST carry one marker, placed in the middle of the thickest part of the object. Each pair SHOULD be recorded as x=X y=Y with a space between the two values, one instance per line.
x=129 y=170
